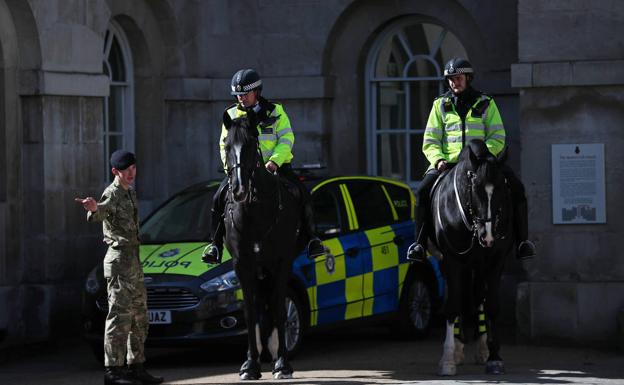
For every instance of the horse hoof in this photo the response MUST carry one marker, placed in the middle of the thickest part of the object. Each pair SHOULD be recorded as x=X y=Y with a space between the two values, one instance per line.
x=494 y=367
x=250 y=370
x=282 y=369
x=248 y=376
x=447 y=370
x=282 y=376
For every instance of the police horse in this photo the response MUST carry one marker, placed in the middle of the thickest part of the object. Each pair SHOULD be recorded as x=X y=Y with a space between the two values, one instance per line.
x=472 y=226
x=261 y=223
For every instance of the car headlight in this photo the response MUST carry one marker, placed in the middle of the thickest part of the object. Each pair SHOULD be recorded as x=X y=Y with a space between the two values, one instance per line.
x=92 y=285
x=223 y=282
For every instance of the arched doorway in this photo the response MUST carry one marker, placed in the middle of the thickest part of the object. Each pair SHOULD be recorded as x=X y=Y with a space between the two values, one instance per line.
x=403 y=75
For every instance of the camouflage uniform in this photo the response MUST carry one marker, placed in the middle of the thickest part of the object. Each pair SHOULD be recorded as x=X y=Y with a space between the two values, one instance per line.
x=127 y=321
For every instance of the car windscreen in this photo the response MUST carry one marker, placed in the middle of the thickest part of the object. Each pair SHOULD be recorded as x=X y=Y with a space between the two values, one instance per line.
x=185 y=218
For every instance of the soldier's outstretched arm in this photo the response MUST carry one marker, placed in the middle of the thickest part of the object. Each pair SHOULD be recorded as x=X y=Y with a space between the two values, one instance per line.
x=97 y=211
x=88 y=203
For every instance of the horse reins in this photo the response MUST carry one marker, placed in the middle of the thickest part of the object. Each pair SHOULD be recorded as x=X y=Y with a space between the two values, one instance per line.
x=476 y=220
x=250 y=198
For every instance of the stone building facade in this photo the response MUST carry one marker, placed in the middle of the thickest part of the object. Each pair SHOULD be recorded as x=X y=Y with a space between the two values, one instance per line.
x=80 y=78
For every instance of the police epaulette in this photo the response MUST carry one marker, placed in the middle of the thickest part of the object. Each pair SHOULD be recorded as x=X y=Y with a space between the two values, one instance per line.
x=231 y=106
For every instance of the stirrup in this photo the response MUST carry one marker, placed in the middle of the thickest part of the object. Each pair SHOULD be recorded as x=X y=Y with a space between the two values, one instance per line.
x=211 y=254
x=416 y=253
x=316 y=248
x=526 y=250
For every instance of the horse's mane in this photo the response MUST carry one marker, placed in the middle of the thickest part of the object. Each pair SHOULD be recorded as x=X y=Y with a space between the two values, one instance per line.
x=240 y=132
x=481 y=160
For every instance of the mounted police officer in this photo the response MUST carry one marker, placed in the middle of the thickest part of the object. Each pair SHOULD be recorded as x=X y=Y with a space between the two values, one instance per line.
x=276 y=139
x=458 y=116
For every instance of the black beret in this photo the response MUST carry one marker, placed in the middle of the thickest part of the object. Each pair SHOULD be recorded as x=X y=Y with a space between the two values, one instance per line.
x=122 y=159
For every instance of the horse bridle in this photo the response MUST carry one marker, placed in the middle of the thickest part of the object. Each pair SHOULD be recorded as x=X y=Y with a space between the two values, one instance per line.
x=476 y=220
x=250 y=197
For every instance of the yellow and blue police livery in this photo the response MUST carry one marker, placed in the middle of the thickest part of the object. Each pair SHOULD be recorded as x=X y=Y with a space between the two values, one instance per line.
x=365 y=222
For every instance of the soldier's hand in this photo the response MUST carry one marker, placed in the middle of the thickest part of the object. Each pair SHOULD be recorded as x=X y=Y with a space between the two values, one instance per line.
x=88 y=203
x=271 y=166
x=441 y=166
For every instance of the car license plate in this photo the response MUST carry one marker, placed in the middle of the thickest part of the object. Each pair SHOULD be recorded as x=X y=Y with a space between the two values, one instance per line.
x=159 y=316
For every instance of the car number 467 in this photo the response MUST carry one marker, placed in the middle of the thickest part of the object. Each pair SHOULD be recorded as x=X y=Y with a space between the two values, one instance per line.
x=159 y=316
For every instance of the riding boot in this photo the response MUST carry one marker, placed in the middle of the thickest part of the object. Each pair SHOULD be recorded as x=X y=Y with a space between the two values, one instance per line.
x=115 y=375
x=526 y=248
x=315 y=247
x=138 y=372
x=214 y=250
x=417 y=250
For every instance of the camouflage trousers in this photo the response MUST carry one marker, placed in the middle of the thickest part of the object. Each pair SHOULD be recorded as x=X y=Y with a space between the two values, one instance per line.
x=127 y=321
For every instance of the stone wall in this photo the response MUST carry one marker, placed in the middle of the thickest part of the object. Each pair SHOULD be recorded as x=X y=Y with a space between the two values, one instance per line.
x=311 y=54
x=572 y=93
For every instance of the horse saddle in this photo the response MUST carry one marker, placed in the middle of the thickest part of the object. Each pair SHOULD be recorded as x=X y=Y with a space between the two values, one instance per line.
x=437 y=182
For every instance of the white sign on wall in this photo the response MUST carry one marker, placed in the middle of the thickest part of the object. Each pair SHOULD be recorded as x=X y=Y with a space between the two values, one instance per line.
x=578 y=183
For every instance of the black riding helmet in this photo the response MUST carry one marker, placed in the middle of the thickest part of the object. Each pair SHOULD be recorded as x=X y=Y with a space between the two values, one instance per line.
x=244 y=81
x=458 y=66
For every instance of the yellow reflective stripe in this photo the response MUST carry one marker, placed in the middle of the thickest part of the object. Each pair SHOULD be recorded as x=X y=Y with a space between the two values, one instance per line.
x=314 y=318
x=375 y=178
x=368 y=307
x=339 y=273
x=403 y=268
x=369 y=294
x=394 y=213
x=456 y=331
x=482 y=329
x=312 y=297
x=481 y=317
x=353 y=310
x=367 y=285
x=353 y=288
x=344 y=199
x=239 y=294
x=384 y=252
x=353 y=223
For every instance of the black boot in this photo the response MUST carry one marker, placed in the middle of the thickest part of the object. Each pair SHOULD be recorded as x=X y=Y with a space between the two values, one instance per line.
x=213 y=252
x=526 y=248
x=417 y=250
x=138 y=372
x=115 y=375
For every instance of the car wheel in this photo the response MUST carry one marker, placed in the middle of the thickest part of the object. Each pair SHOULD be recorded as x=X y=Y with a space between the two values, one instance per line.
x=416 y=311
x=295 y=322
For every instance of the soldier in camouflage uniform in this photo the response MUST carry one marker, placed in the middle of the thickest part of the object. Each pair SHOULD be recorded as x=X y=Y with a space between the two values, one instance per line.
x=127 y=322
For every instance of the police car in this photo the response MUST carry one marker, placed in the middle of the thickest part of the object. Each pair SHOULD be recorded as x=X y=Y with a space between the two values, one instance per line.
x=365 y=222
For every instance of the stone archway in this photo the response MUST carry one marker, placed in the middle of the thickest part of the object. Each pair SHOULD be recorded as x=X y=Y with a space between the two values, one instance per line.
x=148 y=26
x=344 y=59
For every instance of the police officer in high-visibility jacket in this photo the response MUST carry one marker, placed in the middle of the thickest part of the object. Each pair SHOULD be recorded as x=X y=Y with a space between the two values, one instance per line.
x=458 y=116
x=276 y=139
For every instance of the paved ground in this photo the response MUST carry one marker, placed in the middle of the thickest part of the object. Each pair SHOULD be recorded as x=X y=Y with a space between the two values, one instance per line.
x=340 y=358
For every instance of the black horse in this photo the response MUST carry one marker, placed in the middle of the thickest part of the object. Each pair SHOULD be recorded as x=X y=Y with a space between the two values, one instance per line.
x=472 y=222
x=261 y=221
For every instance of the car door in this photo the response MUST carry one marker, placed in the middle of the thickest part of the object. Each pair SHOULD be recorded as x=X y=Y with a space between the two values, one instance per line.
x=379 y=254
x=337 y=275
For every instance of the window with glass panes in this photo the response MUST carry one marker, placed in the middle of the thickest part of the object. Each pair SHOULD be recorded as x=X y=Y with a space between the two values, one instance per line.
x=118 y=106
x=404 y=74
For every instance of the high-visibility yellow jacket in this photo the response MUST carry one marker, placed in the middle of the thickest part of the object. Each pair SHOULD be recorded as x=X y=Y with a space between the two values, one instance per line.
x=447 y=133
x=275 y=135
